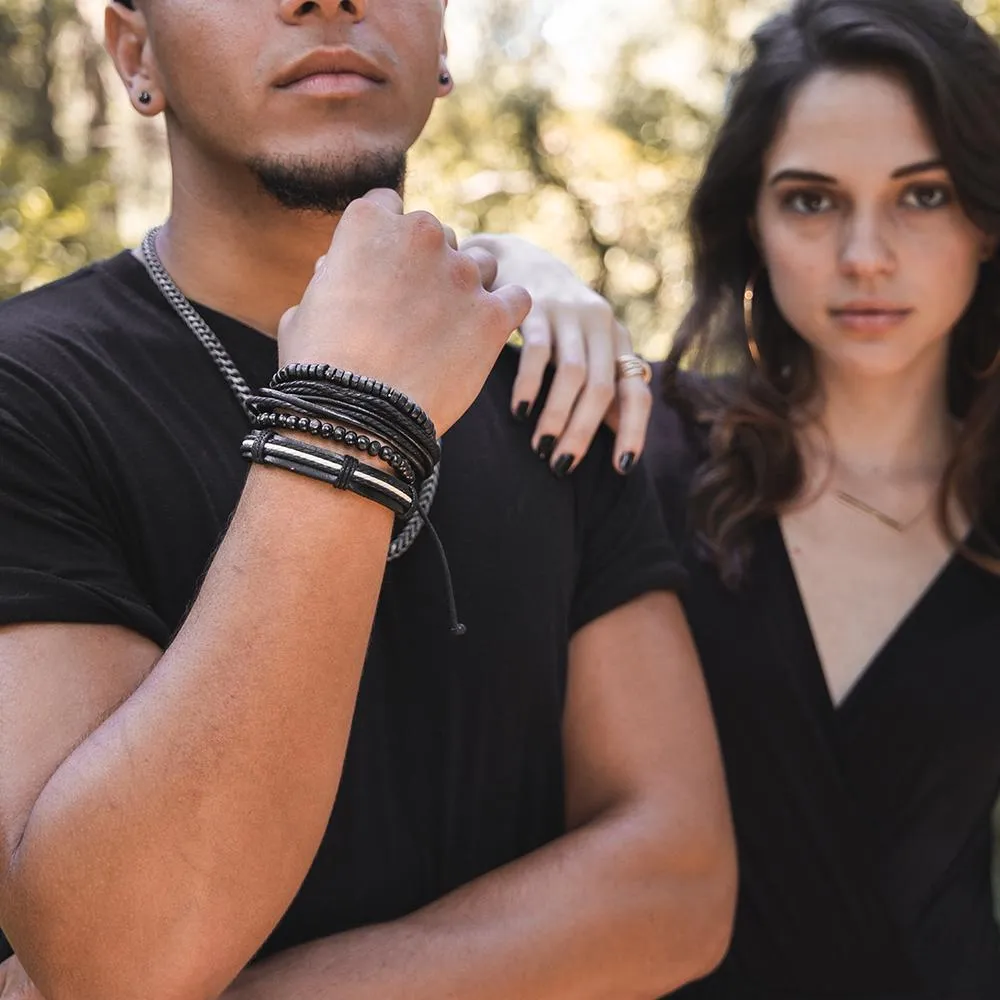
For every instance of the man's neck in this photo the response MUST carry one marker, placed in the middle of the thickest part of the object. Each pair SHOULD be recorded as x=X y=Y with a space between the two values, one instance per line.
x=239 y=252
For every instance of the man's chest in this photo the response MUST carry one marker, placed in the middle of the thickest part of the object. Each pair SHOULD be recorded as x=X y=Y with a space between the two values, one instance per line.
x=508 y=527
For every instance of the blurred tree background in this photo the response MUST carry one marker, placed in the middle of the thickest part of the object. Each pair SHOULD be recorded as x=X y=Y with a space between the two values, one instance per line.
x=57 y=205
x=578 y=128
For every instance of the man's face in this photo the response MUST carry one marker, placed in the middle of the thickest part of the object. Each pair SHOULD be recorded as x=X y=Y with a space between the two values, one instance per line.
x=321 y=90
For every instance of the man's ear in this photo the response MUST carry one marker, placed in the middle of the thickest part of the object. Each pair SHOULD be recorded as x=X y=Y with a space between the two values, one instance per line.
x=445 y=82
x=126 y=39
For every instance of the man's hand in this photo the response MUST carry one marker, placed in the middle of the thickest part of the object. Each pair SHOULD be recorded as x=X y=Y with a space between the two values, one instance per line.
x=393 y=300
x=14 y=982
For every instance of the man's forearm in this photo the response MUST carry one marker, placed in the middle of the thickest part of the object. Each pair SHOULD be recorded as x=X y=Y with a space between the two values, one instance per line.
x=184 y=824
x=608 y=911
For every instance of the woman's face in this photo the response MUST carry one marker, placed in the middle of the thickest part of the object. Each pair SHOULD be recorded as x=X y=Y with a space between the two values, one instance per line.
x=870 y=257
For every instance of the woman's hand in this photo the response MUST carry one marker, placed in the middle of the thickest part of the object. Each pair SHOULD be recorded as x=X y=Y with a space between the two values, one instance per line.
x=575 y=328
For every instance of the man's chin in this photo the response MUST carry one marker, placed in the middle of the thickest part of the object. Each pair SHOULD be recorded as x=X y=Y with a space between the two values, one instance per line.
x=322 y=184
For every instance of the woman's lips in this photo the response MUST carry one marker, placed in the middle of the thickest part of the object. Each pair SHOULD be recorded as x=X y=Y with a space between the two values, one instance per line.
x=869 y=319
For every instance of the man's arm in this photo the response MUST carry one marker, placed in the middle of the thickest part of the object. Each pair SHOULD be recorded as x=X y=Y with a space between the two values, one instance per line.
x=634 y=901
x=158 y=812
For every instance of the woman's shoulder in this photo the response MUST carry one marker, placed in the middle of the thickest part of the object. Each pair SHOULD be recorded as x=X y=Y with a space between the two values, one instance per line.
x=676 y=440
x=675 y=444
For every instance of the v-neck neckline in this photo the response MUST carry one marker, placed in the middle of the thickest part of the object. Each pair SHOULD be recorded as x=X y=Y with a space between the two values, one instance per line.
x=875 y=665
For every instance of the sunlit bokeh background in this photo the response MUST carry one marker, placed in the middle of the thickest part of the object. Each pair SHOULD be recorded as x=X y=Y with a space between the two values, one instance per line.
x=578 y=123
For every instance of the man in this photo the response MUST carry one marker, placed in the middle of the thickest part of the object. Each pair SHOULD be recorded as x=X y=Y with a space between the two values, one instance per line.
x=534 y=810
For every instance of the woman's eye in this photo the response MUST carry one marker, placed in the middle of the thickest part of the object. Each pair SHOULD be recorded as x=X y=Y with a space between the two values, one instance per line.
x=808 y=202
x=927 y=196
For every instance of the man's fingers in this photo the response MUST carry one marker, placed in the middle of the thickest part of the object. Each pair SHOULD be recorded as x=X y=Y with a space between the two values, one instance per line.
x=452 y=238
x=387 y=198
x=516 y=301
x=485 y=261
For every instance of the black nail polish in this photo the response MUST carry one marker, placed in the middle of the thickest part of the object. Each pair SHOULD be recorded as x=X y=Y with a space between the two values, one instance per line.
x=545 y=447
x=563 y=465
x=522 y=411
x=626 y=463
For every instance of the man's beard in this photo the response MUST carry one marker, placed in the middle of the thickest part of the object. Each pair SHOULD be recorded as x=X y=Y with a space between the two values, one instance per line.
x=305 y=184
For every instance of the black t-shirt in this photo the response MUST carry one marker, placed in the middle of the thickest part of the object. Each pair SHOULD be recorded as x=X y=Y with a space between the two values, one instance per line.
x=119 y=470
x=863 y=828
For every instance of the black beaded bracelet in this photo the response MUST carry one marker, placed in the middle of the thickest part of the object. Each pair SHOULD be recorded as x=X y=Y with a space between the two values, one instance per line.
x=305 y=416
x=352 y=405
x=419 y=435
x=339 y=435
x=344 y=472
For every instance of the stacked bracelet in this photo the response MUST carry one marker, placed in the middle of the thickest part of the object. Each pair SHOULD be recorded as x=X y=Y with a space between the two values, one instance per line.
x=351 y=409
x=361 y=383
x=367 y=416
x=343 y=472
x=376 y=417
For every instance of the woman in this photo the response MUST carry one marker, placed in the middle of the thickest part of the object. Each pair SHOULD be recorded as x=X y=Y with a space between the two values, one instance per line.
x=838 y=490
x=844 y=506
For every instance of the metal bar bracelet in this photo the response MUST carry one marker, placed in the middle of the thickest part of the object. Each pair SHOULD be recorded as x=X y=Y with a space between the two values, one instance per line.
x=344 y=472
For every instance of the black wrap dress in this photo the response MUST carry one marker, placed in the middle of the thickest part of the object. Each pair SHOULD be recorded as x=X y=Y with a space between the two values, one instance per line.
x=864 y=829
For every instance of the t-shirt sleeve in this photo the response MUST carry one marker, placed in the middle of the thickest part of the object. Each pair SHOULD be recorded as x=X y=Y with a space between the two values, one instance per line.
x=61 y=558
x=625 y=549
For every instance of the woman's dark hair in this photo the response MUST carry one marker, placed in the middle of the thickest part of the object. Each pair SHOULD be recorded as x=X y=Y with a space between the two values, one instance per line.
x=753 y=467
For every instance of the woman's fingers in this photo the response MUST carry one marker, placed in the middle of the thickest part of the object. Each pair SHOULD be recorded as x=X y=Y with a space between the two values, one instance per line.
x=536 y=354
x=567 y=385
x=633 y=405
x=593 y=402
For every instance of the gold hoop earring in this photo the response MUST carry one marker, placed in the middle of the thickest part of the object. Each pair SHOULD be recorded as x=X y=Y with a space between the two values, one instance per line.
x=752 y=346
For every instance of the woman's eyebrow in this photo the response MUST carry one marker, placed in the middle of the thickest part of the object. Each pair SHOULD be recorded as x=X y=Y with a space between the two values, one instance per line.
x=815 y=177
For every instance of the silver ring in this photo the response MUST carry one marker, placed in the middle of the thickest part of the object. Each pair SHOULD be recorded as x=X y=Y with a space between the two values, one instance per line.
x=632 y=366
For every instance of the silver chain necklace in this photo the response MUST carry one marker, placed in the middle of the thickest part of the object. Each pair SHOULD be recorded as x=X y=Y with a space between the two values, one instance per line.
x=195 y=322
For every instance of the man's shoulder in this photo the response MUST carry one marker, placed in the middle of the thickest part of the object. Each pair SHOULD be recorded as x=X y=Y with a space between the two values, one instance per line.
x=57 y=300
x=67 y=318
x=59 y=341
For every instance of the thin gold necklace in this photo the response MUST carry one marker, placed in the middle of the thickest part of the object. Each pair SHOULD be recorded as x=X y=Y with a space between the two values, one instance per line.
x=855 y=503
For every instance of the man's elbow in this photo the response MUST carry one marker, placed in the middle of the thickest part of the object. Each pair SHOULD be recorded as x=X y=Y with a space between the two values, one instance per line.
x=712 y=912
x=113 y=980
x=68 y=964
x=60 y=981
x=697 y=908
